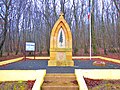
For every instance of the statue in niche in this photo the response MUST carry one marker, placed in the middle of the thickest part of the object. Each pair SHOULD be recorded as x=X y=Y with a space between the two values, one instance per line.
x=61 y=39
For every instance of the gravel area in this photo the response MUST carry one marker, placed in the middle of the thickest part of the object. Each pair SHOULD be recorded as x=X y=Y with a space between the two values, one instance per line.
x=43 y=64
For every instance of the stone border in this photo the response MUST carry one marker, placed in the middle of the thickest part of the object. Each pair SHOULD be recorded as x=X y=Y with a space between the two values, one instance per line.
x=99 y=57
x=83 y=57
x=95 y=74
x=74 y=57
x=16 y=75
x=81 y=82
x=11 y=61
x=42 y=58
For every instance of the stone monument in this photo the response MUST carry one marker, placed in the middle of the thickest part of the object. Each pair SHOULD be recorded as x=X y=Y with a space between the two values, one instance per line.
x=61 y=44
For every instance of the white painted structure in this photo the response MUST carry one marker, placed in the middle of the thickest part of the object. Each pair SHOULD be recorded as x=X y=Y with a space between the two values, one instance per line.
x=107 y=74
x=24 y=75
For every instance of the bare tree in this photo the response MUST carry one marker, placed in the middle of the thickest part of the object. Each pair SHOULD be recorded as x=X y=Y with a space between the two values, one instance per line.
x=5 y=7
x=93 y=30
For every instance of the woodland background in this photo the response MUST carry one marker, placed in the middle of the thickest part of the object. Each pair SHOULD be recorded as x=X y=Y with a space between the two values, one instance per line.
x=33 y=20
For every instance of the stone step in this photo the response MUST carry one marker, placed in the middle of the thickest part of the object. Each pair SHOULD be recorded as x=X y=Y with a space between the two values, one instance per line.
x=60 y=82
x=60 y=88
x=58 y=77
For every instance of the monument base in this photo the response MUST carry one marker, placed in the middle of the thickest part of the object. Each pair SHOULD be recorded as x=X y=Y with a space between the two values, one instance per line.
x=60 y=63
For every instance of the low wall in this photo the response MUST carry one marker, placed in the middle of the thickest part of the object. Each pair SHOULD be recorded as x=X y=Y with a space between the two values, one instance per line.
x=95 y=74
x=11 y=61
x=80 y=79
x=16 y=75
x=47 y=58
x=100 y=73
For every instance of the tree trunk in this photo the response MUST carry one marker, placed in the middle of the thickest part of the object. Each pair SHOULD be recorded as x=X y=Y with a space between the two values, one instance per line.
x=93 y=31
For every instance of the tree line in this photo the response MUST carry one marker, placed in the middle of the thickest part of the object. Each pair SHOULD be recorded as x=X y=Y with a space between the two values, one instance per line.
x=32 y=20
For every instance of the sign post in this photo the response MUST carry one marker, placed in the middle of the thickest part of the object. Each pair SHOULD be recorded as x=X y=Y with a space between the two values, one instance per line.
x=30 y=46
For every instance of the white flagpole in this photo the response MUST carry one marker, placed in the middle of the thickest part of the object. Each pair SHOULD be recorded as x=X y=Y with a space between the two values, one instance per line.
x=90 y=39
x=90 y=30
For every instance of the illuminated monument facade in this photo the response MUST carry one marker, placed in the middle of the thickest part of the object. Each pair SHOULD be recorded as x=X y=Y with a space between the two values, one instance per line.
x=61 y=44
